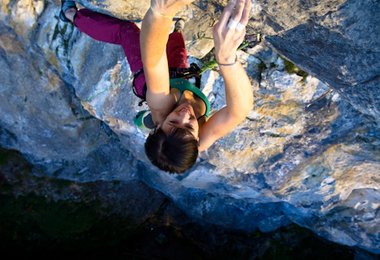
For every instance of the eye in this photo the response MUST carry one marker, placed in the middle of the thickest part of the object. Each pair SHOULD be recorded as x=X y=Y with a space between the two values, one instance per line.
x=174 y=125
x=189 y=126
x=173 y=122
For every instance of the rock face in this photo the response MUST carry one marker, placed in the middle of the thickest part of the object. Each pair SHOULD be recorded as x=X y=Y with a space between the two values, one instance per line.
x=308 y=153
x=338 y=42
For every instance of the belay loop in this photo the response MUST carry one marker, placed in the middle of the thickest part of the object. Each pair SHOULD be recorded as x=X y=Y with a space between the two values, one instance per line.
x=186 y=73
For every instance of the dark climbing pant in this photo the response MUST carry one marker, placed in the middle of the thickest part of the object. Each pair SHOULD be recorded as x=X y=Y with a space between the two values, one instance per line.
x=109 y=29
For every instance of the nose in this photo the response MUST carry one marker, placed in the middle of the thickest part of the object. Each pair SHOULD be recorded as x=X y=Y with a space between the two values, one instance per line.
x=183 y=117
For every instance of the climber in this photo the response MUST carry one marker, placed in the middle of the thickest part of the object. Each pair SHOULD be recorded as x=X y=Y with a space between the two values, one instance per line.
x=180 y=112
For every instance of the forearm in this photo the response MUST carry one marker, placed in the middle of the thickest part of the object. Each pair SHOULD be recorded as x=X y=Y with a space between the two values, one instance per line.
x=153 y=38
x=238 y=89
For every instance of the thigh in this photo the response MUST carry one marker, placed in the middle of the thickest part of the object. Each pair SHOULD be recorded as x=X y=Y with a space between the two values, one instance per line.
x=130 y=41
x=99 y=26
x=109 y=29
x=176 y=51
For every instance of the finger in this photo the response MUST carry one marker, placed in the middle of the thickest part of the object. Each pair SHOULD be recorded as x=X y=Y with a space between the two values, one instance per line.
x=240 y=27
x=236 y=33
x=246 y=13
x=239 y=34
x=232 y=24
x=240 y=39
x=227 y=13
x=239 y=8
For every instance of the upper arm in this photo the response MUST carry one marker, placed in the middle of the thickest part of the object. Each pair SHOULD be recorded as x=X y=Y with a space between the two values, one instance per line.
x=158 y=86
x=219 y=124
x=153 y=39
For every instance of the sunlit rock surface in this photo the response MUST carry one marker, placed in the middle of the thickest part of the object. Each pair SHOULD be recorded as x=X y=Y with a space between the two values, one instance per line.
x=308 y=152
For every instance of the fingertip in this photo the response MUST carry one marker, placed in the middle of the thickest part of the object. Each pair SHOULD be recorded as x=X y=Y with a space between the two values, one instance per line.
x=231 y=4
x=227 y=12
x=247 y=12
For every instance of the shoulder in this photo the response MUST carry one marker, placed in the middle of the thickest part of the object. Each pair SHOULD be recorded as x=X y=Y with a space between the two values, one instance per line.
x=160 y=105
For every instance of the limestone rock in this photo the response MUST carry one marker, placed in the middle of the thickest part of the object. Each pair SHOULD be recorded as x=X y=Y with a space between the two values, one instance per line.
x=339 y=43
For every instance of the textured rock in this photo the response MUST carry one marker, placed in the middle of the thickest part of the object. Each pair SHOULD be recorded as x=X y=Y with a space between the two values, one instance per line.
x=41 y=215
x=308 y=152
x=338 y=41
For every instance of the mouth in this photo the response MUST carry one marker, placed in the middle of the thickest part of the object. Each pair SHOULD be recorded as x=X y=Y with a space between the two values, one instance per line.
x=184 y=108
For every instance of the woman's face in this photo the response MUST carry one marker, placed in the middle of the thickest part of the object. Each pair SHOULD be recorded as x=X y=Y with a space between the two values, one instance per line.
x=184 y=117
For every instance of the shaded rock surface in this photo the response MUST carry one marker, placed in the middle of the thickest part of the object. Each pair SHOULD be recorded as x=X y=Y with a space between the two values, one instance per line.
x=40 y=216
x=308 y=153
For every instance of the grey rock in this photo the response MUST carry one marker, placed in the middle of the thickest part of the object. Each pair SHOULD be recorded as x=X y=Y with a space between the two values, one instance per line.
x=340 y=45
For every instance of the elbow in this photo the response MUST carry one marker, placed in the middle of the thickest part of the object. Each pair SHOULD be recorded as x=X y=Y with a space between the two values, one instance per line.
x=247 y=107
x=239 y=111
x=241 y=114
x=245 y=112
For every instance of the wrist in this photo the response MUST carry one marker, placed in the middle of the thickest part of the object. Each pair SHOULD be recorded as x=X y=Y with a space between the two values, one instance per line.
x=223 y=58
x=227 y=62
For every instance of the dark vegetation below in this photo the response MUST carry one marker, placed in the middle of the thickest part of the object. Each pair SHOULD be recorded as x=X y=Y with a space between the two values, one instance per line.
x=50 y=218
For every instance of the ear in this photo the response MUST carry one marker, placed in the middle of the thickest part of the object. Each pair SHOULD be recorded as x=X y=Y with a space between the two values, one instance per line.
x=154 y=130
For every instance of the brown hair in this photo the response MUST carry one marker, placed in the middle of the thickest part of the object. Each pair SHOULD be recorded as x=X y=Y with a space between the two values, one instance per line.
x=175 y=152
